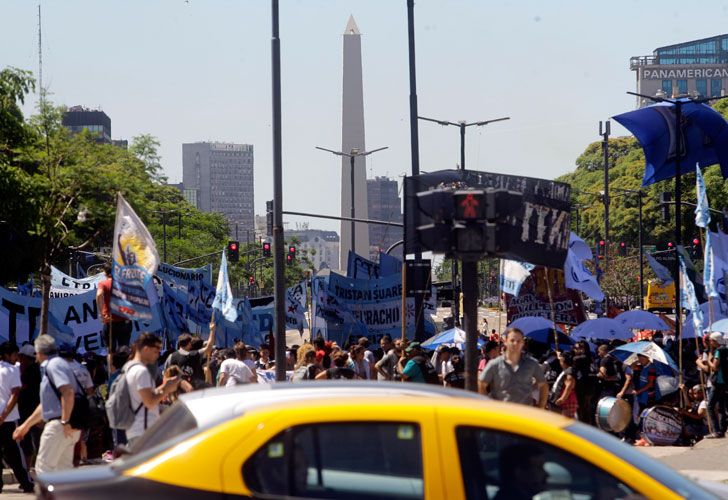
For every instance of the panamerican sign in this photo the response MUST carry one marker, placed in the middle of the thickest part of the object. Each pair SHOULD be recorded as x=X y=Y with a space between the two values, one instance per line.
x=658 y=73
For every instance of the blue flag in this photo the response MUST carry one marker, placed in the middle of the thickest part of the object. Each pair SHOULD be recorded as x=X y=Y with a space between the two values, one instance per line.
x=702 y=212
x=576 y=275
x=223 y=294
x=663 y=274
x=688 y=300
x=708 y=268
x=512 y=275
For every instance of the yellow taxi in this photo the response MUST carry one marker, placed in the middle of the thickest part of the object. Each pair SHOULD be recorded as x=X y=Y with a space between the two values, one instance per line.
x=360 y=441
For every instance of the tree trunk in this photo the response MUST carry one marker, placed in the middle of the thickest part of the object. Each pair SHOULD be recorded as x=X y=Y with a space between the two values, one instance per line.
x=45 y=287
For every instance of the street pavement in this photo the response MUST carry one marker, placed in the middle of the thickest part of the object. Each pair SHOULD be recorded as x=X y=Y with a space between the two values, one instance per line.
x=707 y=460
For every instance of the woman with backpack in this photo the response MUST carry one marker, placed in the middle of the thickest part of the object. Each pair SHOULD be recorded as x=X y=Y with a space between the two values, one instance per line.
x=338 y=370
x=306 y=366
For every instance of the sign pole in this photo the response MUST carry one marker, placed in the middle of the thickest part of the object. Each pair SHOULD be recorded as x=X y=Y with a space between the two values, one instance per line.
x=404 y=299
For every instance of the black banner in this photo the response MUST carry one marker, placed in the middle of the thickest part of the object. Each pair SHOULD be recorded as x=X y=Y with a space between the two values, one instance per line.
x=538 y=232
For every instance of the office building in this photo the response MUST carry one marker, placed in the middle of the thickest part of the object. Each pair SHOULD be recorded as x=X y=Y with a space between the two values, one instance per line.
x=321 y=247
x=218 y=177
x=695 y=68
x=98 y=123
x=385 y=204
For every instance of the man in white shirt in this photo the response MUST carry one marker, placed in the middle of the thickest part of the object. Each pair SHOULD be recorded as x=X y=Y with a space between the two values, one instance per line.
x=9 y=416
x=145 y=397
x=234 y=371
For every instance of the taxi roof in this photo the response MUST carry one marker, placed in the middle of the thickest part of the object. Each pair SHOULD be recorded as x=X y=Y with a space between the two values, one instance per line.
x=213 y=406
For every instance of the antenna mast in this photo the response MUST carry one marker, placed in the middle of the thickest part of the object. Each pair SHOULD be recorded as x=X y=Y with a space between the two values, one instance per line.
x=40 y=58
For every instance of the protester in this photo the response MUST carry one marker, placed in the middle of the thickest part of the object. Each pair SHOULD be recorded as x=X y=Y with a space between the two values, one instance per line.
x=490 y=350
x=586 y=380
x=695 y=415
x=191 y=361
x=117 y=329
x=359 y=363
x=368 y=356
x=338 y=370
x=145 y=397
x=456 y=377
x=510 y=377
x=28 y=400
x=57 y=391
x=418 y=368
x=233 y=371
x=563 y=393
x=306 y=368
x=10 y=386
x=717 y=362
x=607 y=375
x=387 y=366
x=385 y=345
x=264 y=362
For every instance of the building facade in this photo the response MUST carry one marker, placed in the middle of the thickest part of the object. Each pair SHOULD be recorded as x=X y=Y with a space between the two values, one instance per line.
x=322 y=247
x=696 y=68
x=385 y=204
x=218 y=177
x=98 y=123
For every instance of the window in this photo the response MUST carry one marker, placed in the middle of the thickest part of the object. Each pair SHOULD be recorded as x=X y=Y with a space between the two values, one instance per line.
x=667 y=87
x=715 y=87
x=701 y=86
x=682 y=87
x=513 y=466
x=340 y=460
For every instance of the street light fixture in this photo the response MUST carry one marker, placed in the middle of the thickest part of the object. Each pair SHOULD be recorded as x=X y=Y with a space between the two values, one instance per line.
x=352 y=157
x=462 y=125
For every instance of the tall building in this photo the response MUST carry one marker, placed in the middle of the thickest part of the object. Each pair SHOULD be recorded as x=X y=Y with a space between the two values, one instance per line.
x=385 y=205
x=696 y=68
x=322 y=247
x=98 y=123
x=352 y=138
x=218 y=177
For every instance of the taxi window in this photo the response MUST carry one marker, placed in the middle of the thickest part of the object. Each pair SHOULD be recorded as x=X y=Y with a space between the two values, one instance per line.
x=340 y=460
x=502 y=465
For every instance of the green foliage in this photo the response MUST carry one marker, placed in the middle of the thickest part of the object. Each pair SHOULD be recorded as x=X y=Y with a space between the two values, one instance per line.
x=14 y=85
x=146 y=148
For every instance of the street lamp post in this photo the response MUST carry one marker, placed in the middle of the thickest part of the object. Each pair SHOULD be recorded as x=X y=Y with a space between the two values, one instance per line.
x=462 y=125
x=352 y=157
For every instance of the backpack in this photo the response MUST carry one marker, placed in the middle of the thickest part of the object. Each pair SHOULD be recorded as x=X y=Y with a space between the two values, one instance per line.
x=118 y=405
x=428 y=371
x=301 y=373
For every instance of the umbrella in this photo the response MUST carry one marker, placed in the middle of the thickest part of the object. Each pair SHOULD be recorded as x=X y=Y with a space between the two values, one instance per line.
x=703 y=135
x=719 y=312
x=602 y=329
x=642 y=320
x=627 y=354
x=720 y=326
x=541 y=330
x=452 y=336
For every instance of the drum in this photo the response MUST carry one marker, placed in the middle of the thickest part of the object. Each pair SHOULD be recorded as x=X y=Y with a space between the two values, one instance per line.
x=660 y=425
x=613 y=414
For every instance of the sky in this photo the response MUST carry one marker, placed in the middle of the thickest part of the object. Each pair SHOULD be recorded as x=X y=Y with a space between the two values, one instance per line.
x=193 y=70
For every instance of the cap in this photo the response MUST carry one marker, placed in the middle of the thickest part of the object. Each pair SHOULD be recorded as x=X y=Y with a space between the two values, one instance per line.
x=28 y=350
x=412 y=347
x=717 y=336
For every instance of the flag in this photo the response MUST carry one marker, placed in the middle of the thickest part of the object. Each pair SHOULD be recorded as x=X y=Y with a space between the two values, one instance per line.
x=576 y=274
x=223 y=294
x=663 y=274
x=702 y=212
x=708 y=269
x=389 y=265
x=134 y=262
x=512 y=275
x=688 y=300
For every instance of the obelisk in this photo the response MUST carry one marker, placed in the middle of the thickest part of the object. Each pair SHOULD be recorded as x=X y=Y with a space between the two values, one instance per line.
x=352 y=138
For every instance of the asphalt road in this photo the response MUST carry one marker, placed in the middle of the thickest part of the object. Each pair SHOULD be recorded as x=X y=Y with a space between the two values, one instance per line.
x=707 y=460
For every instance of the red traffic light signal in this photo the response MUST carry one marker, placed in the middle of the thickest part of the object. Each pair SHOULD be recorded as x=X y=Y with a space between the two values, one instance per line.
x=696 y=241
x=266 y=249
x=289 y=259
x=233 y=251
x=291 y=253
x=669 y=244
x=251 y=280
x=469 y=205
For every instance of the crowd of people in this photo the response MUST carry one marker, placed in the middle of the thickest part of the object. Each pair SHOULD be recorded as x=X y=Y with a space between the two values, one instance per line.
x=55 y=403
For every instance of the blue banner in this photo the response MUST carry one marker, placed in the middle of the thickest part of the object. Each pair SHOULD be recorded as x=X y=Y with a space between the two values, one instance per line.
x=359 y=267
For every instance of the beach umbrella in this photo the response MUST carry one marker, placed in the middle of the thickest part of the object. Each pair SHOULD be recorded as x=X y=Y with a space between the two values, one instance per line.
x=641 y=320
x=720 y=326
x=541 y=330
x=453 y=336
x=602 y=329
x=627 y=354
x=719 y=312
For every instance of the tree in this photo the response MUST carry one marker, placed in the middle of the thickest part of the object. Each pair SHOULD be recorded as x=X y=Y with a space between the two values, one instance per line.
x=146 y=148
x=14 y=85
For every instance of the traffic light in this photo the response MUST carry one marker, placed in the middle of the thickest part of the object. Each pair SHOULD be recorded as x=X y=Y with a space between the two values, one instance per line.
x=664 y=207
x=600 y=248
x=266 y=249
x=292 y=252
x=469 y=205
x=233 y=251
x=251 y=281
x=289 y=259
x=622 y=248
x=697 y=250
